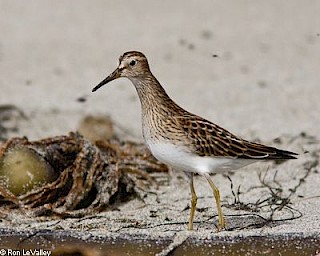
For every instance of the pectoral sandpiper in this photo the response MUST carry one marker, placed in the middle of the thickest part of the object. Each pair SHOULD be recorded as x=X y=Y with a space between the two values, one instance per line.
x=183 y=140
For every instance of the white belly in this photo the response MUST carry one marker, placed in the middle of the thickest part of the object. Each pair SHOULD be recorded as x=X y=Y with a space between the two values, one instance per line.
x=181 y=159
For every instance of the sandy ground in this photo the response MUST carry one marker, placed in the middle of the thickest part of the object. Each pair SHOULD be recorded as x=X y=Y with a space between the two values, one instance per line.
x=263 y=84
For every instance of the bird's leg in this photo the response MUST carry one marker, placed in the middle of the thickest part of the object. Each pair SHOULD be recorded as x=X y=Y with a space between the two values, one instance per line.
x=194 y=199
x=216 y=194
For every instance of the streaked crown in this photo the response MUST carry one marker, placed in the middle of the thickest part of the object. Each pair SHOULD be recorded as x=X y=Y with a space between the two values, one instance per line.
x=133 y=64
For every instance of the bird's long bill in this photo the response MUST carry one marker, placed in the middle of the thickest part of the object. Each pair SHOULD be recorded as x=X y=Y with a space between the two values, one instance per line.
x=114 y=75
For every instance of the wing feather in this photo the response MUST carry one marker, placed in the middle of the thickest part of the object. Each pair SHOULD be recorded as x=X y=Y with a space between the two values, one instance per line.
x=209 y=139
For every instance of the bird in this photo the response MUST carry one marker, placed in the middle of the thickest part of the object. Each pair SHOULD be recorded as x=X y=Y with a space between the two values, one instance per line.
x=185 y=141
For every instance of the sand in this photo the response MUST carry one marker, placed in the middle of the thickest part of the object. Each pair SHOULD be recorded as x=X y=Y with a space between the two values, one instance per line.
x=251 y=67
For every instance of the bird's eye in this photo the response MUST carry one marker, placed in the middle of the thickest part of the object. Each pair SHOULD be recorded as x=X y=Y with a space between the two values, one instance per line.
x=132 y=63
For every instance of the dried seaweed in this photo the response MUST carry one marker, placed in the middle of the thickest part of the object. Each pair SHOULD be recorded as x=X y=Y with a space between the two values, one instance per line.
x=277 y=200
x=90 y=176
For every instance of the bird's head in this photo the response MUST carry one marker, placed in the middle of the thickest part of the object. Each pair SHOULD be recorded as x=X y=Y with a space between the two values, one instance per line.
x=131 y=65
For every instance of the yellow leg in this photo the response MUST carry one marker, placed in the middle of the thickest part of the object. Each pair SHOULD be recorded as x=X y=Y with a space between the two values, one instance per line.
x=216 y=194
x=194 y=199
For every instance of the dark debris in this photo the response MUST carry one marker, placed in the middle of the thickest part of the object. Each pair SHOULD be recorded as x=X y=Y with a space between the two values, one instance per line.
x=90 y=176
x=9 y=115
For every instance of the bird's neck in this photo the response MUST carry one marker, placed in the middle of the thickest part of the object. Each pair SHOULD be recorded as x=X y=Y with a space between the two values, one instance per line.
x=152 y=95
